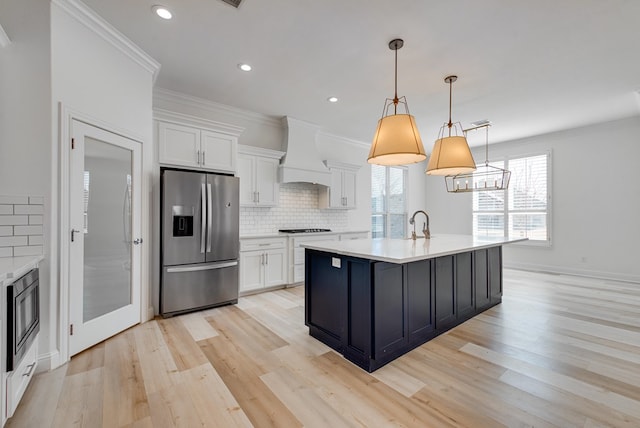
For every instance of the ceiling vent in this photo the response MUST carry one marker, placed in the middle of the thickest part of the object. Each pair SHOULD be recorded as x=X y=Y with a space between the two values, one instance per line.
x=234 y=3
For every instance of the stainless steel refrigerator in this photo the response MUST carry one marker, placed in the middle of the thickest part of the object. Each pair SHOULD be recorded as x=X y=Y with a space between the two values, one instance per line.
x=199 y=240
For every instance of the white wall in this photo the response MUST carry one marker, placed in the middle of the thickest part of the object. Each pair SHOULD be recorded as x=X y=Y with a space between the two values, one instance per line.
x=595 y=201
x=25 y=124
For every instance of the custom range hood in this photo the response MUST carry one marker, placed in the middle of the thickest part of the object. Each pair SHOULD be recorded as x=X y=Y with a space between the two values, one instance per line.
x=302 y=163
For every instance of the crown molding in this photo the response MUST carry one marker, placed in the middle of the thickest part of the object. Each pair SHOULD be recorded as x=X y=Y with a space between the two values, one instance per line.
x=214 y=107
x=90 y=19
x=259 y=151
x=344 y=140
x=4 y=39
x=186 y=119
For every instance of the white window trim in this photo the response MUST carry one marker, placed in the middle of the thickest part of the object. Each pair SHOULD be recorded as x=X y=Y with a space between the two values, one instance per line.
x=530 y=243
x=387 y=213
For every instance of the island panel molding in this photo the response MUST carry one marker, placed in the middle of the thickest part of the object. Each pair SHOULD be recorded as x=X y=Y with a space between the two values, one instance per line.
x=372 y=310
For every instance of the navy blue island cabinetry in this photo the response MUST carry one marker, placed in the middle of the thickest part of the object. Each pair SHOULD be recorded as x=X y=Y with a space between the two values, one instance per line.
x=373 y=311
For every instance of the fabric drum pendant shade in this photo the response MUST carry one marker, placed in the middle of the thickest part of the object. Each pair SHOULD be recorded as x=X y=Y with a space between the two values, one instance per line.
x=396 y=141
x=450 y=156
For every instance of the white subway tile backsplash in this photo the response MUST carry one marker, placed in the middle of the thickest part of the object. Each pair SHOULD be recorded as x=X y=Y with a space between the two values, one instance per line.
x=6 y=220
x=21 y=230
x=36 y=240
x=35 y=219
x=27 y=230
x=298 y=208
x=27 y=251
x=28 y=209
x=12 y=241
x=14 y=200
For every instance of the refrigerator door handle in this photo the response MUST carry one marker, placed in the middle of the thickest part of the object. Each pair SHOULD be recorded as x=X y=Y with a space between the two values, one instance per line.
x=209 y=217
x=203 y=228
x=199 y=267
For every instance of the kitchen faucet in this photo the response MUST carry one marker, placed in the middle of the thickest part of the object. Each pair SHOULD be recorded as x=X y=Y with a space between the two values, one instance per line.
x=425 y=226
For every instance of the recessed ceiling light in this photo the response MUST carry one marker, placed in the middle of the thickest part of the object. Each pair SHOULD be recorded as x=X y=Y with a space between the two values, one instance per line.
x=162 y=12
x=244 y=67
x=332 y=99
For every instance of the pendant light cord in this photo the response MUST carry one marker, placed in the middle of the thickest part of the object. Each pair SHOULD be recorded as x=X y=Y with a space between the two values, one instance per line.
x=486 y=147
x=450 y=101
x=395 y=96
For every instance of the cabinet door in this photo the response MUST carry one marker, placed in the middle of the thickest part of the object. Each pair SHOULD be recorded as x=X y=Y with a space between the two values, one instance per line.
x=465 y=304
x=419 y=301
x=251 y=270
x=445 y=293
x=390 y=332
x=481 y=278
x=494 y=261
x=335 y=190
x=218 y=151
x=178 y=145
x=349 y=189
x=266 y=181
x=275 y=272
x=247 y=178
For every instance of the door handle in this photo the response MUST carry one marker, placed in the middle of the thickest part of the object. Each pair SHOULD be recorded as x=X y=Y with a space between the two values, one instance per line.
x=137 y=241
x=203 y=224
x=73 y=234
x=209 y=217
x=203 y=154
x=198 y=155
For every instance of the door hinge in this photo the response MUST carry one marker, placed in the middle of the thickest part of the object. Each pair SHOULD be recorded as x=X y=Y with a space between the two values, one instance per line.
x=71 y=330
x=73 y=143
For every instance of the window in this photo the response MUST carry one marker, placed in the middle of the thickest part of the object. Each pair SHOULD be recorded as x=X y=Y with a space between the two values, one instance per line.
x=388 y=201
x=523 y=210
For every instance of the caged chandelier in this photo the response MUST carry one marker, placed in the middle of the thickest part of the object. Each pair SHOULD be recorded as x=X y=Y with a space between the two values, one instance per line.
x=397 y=140
x=484 y=178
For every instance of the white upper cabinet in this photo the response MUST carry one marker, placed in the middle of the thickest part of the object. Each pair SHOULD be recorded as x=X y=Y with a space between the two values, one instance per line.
x=258 y=172
x=196 y=143
x=342 y=192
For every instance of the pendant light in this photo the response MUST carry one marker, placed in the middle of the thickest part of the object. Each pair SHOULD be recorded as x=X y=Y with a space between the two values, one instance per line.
x=397 y=140
x=484 y=178
x=451 y=154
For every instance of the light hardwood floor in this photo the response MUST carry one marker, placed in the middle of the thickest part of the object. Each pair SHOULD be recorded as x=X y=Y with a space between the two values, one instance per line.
x=559 y=351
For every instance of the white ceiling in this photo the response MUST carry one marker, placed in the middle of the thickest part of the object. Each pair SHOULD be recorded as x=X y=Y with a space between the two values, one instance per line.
x=529 y=67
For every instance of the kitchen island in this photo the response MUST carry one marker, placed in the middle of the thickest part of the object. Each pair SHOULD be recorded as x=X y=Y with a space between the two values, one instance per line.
x=373 y=300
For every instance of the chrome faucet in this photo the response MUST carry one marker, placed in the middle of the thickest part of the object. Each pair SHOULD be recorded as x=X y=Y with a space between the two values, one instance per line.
x=425 y=226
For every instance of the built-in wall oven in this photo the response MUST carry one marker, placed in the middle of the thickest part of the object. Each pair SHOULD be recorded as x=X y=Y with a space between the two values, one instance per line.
x=23 y=316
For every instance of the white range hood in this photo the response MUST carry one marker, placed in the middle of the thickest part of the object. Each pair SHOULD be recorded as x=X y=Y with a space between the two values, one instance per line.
x=302 y=163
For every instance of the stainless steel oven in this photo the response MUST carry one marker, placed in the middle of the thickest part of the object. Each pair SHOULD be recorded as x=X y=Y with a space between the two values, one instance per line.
x=23 y=316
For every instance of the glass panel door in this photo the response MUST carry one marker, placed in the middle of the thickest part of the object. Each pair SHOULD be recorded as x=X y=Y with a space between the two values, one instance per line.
x=107 y=228
x=104 y=216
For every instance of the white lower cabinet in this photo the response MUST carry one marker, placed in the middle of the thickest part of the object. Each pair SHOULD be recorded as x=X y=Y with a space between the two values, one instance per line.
x=296 y=254
x=263 y=263
x=16 y=381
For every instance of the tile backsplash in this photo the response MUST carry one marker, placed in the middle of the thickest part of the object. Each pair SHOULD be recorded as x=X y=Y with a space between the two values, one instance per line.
x=298 y=208
x=21 y=225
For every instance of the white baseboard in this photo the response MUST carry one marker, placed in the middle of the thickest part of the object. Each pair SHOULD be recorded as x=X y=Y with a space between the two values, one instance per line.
x=48 y=361
x=616 y=276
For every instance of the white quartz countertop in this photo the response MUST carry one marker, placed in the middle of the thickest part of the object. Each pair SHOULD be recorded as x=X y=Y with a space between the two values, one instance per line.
x=408 y=250
x=284 y=234
x=14 y=267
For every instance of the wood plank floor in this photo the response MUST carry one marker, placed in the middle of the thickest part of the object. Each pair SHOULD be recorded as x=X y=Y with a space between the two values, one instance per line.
x=559 y=351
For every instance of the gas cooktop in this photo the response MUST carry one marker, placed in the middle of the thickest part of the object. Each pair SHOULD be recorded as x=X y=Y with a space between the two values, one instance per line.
x=303 y=230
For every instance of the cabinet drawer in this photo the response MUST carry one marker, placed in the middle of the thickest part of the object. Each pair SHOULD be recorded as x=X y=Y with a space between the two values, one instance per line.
x=18 y=380
x=262 y=244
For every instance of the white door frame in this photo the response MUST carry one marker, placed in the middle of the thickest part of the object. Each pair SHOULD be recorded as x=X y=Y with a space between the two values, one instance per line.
x=67 y=116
